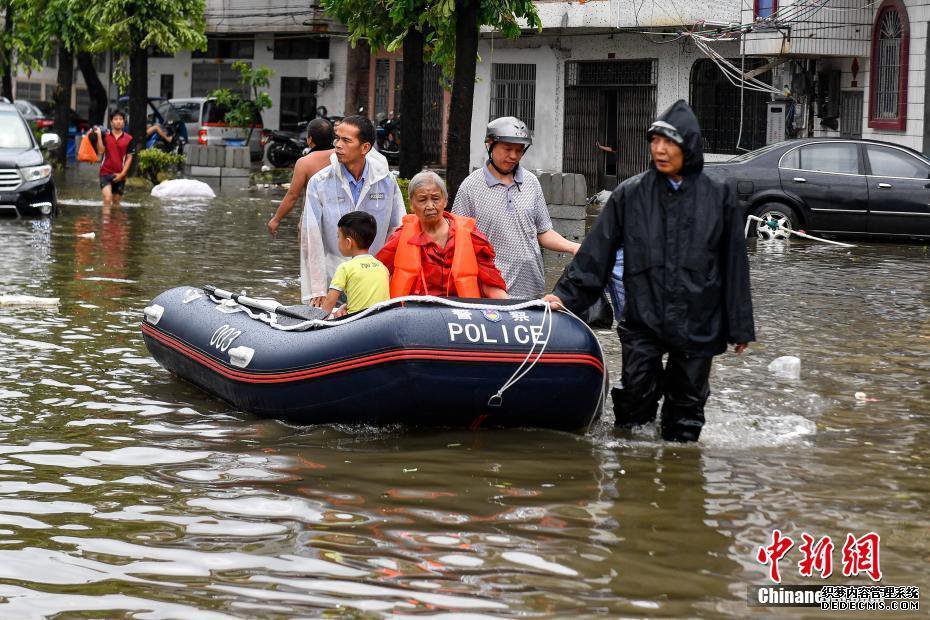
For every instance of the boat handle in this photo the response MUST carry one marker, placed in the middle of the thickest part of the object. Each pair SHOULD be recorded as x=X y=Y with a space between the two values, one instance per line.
x=800 y=180
x=884 y=186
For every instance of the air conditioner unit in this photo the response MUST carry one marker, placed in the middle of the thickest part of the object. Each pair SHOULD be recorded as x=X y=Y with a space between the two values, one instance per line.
x=319 y=69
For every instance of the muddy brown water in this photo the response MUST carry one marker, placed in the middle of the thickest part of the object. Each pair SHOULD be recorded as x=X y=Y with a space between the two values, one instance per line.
x=125 y=492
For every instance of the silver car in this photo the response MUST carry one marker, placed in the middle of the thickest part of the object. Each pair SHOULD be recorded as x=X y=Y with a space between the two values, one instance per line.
x=206 y=125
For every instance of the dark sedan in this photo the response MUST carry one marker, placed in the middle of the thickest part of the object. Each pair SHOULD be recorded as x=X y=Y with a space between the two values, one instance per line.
x=834 y=187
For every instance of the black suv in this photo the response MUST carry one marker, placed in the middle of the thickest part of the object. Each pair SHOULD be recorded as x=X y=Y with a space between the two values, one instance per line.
x=26 y=184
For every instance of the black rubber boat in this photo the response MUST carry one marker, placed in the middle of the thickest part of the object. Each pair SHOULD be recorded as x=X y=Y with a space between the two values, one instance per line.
x=416 y=361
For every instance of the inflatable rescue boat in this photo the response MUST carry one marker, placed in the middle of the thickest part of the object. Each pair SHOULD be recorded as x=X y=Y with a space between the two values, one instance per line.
x=419 y=361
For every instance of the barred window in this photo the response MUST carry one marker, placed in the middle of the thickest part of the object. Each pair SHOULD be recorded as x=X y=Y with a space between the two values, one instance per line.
x=888 y=65
x=513 y=92
x=888 y=87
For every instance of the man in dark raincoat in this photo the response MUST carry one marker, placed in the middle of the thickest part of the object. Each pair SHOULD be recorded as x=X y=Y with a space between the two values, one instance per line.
x=686 y=277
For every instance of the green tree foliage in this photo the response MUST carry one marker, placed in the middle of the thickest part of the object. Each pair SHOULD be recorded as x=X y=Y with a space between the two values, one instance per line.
x=451 y=29
x=62 y=27
x=133 y=28
x=157 y=165
x=242 y=111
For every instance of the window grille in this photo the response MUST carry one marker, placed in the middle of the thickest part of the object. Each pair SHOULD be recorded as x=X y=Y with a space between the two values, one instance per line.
x=513 y=92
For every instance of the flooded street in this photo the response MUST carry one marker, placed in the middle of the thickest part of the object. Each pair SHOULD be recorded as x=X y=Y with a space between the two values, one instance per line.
x=125 y=492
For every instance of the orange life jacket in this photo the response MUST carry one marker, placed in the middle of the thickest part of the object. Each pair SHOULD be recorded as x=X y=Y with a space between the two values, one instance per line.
x=408 y=266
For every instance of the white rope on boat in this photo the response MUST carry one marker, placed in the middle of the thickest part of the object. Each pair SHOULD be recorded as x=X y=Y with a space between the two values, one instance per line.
x=270 y=318
x=789 y=231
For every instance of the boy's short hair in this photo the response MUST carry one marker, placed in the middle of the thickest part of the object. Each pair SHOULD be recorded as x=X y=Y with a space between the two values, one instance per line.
x=360 y=227
x=118 y=112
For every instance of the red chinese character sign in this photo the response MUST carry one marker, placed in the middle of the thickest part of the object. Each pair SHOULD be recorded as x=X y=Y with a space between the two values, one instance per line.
x=860 y=555
x=773 y=553
x=817 y=556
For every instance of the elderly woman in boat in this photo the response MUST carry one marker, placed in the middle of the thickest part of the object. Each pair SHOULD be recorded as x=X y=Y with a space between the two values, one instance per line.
x=437 y=253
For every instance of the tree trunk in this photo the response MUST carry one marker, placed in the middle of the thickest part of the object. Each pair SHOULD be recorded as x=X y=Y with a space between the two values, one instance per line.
x=411 y=112
x=95 y=88
x=6 y=58
x=62 y=99
x=463 y=94
x=138 y=98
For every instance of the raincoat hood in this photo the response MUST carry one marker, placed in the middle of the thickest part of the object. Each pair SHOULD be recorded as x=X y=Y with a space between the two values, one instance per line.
x=681 y=117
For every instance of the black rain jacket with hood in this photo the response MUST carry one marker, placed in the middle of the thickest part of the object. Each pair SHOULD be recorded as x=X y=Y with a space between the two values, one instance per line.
x=685 y=269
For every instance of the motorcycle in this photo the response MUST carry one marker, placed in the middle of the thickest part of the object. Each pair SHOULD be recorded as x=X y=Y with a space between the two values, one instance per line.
x=388 y=138
x=283 y=149
x=177 y=138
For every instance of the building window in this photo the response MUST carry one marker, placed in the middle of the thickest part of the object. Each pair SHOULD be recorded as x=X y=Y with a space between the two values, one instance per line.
x=210 y=76
x=221 y=47
x=382 y=74
x=298 y=102
x=888 y=85
x=398 y=85
x=763 y=9
x=166 y=89
x=716 y=103
x=513 y=92
x=100 y=63
x=29 y=90
x=303 y=48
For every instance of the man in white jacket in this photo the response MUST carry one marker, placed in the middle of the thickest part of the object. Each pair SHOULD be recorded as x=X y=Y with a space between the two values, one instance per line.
x=351 y=182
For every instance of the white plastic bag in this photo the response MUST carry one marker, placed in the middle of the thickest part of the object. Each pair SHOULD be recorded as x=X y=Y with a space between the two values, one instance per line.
x=787 y=366
x=183 y=188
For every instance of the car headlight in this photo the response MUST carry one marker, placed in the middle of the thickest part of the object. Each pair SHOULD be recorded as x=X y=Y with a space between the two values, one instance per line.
x=35 y=173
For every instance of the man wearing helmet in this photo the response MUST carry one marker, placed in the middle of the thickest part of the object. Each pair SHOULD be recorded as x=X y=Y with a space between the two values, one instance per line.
x=685 y=273
x=508 y=205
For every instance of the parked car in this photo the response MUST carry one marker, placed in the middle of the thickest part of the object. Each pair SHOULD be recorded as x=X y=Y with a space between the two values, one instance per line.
x=26 y=184
x=834 y=186
x=206 y=123
x=42 y=115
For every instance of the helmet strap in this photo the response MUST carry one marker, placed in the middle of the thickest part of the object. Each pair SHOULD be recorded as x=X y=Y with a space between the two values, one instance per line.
x=493 y=165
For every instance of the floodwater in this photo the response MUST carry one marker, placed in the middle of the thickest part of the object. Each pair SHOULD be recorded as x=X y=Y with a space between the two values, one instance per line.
x=127 y=493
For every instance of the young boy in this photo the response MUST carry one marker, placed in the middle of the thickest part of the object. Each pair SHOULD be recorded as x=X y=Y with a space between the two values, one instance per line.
x=364 y=279
x=117 y=149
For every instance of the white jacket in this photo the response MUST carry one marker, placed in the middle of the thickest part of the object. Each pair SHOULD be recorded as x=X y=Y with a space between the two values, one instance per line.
x=329 y=197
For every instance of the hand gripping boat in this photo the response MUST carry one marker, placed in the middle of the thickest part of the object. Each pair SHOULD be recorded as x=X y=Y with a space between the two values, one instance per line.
x=420 y=361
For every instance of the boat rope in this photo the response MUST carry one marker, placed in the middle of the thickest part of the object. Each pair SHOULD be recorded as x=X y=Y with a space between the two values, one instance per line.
x=777 y=226
x=497 y=398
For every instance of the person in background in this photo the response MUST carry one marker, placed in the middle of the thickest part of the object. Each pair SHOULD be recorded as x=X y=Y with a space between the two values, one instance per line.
x=686 y=275
x=508 y=205
x=320 y=140
x=438 y=253
x=362 y=279
x=117 y=149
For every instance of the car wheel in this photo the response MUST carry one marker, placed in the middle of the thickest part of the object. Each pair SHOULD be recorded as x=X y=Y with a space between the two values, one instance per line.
x=777 y=220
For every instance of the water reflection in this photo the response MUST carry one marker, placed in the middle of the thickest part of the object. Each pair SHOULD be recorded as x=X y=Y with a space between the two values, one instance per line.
x=124 y=491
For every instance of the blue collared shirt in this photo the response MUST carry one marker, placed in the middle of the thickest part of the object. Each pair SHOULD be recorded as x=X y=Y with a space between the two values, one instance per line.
x=355 y=186
x=675 y=184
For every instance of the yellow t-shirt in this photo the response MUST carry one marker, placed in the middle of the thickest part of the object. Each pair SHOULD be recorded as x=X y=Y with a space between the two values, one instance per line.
x=364 y=280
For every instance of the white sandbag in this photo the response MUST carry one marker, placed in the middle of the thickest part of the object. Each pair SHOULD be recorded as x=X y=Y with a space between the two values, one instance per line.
x=27 y=300
x=787 y=366
x=183 y=188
